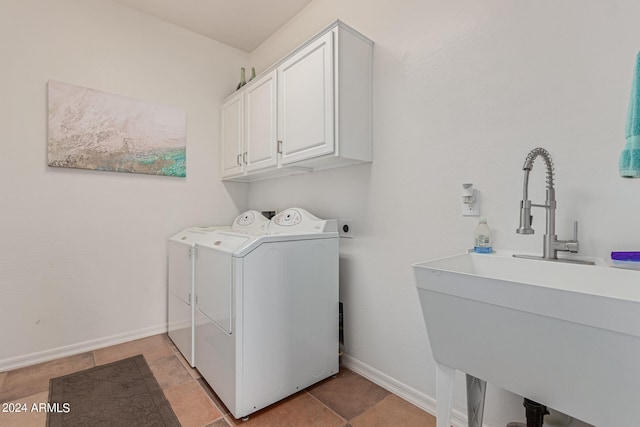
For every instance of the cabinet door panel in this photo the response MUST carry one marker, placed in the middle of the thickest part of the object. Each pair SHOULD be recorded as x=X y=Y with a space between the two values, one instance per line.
x=231 y=124
x=261 y=142
x=306 y=102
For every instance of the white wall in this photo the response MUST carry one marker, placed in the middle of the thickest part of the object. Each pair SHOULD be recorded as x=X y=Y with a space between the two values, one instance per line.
x=463 y=91
x=83 y=253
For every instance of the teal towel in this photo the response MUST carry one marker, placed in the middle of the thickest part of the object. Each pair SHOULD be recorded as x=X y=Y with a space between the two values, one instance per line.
x=629 y=163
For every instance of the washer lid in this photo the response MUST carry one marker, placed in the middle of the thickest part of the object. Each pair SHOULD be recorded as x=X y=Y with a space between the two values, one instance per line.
x=224 y=241
x=192 y=235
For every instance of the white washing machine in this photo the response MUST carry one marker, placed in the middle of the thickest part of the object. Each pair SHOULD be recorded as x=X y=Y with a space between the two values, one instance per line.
x=182 y=260
x=267 y=310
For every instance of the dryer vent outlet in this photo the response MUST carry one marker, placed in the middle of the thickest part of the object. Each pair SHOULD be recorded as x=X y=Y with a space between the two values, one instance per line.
x=345 y=228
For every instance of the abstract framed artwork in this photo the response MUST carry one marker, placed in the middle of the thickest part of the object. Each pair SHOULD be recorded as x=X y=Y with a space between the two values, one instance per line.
x=91 y=129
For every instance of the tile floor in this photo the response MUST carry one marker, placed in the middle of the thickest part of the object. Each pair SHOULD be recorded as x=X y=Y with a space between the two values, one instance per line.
x=347 y=400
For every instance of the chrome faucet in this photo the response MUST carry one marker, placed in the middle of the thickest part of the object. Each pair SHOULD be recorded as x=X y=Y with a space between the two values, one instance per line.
x=551 y=244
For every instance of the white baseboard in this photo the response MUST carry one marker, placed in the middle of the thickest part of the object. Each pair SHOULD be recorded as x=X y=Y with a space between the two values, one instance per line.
x=81 y=347
x=410 y=394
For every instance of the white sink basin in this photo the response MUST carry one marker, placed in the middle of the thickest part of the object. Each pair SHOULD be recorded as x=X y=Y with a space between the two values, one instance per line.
x=564 y=335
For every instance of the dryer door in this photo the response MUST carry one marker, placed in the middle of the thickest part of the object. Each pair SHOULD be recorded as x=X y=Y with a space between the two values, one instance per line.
x=214 y=277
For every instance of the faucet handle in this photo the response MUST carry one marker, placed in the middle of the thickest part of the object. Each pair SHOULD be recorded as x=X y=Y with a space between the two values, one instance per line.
x=572 y=245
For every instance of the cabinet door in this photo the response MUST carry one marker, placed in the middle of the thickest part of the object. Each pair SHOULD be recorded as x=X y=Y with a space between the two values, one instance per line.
x=260 y=123
x=231 y=137
x=306 y=102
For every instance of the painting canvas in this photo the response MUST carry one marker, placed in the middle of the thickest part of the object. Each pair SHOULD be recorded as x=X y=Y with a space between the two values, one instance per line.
x=90 y=129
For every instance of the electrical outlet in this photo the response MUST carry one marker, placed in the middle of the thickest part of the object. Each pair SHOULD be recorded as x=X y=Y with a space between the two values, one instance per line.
x=345 y=228
x=471 y=207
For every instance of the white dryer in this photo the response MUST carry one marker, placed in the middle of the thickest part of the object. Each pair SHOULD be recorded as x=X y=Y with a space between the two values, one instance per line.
x=267 y=310
x=182 y=259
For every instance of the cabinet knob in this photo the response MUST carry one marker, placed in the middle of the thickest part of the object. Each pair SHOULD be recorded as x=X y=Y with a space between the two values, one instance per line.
x=244 y=157
x=238 y=160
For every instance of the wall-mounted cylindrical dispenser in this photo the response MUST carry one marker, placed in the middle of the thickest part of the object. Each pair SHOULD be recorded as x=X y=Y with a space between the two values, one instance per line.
x=470 y=200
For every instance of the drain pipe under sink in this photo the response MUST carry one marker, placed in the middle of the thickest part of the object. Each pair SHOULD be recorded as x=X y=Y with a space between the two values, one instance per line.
x=535 y=413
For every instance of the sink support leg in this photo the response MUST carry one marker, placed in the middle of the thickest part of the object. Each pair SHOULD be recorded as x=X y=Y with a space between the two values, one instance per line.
x=476 y=391
x=535 y=413
x=444 y=394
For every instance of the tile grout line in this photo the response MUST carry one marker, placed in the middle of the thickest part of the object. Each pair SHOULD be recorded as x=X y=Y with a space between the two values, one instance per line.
x=165 y=390
x=217 y=402
x=323 y=404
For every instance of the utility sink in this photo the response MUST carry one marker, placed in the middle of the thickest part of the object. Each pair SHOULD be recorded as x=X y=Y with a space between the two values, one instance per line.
x=564 y=335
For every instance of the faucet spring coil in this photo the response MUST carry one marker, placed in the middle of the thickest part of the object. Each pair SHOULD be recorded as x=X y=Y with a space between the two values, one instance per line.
x=533 y=154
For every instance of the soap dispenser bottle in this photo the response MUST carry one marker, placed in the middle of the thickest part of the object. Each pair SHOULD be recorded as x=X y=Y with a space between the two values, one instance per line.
x=482 y=244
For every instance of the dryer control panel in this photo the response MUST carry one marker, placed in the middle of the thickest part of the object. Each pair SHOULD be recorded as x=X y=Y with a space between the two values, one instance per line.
x=250 y=222
x=298 y=220
x=288 y=218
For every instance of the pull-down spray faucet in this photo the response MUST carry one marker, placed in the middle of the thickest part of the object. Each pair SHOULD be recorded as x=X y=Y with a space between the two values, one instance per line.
x=551 y=244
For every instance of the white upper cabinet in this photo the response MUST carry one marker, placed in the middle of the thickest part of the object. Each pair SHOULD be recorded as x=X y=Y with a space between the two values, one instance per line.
x=261 y=142
x=305 y=107
x=309 y=111
x=231 y=139
x=249 y=126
